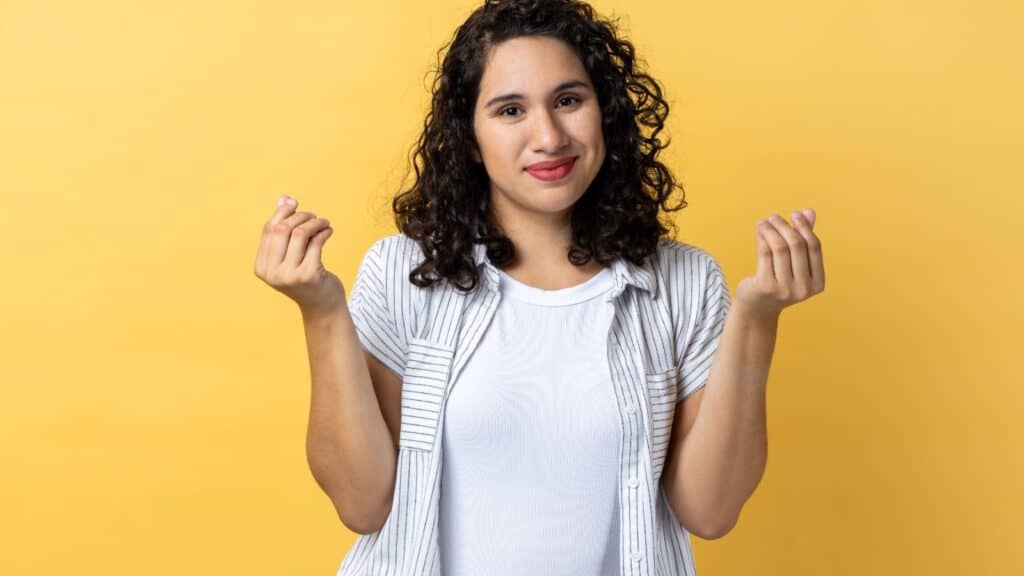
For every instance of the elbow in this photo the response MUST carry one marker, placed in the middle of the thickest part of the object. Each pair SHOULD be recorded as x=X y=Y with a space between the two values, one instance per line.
x=363 y=525
x=361 y=519
x=713 y=530
x=701 y=521
x=359 y=528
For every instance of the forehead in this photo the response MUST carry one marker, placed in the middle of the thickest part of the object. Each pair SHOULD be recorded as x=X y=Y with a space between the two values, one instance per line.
x=530 y=61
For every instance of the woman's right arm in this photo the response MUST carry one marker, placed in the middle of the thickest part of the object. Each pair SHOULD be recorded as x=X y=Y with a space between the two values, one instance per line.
x=350 y=447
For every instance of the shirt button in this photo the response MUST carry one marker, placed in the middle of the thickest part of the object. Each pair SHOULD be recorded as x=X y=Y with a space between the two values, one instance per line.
x=636 y=556
x=631 y=409
x=633 y=482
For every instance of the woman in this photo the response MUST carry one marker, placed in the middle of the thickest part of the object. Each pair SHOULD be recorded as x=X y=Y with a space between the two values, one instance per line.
x=535 y=348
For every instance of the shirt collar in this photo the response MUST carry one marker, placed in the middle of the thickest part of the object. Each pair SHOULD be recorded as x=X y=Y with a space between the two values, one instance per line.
x=625 y=272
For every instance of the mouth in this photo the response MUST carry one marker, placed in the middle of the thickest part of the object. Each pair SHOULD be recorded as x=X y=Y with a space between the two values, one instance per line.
x=555 y=172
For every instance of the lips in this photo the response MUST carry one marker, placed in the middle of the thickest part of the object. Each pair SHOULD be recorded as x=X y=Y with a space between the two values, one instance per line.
x=550 y=164
x=556 y=169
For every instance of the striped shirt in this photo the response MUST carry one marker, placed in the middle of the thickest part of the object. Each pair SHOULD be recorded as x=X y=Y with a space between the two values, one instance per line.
x=668 y=316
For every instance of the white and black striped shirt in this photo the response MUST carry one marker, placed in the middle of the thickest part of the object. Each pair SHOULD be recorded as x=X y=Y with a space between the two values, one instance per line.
x=668 y=319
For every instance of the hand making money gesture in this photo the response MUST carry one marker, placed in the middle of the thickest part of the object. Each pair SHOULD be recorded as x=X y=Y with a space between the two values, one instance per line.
x=789 y=266
x=289 y=259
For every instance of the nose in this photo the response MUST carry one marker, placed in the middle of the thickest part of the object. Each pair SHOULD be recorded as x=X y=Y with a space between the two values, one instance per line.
x=548 y=133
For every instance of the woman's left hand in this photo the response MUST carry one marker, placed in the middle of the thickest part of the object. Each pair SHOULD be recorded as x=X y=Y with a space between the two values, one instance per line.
x=789 y=266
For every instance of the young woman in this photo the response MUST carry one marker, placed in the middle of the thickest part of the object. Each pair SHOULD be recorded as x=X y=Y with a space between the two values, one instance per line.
x=516 y=383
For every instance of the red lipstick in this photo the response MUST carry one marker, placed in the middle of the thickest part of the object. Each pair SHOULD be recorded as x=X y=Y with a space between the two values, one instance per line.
x=552 y=170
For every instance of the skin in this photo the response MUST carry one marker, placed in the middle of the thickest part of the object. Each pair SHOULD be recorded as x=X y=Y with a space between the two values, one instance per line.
x=542 y=124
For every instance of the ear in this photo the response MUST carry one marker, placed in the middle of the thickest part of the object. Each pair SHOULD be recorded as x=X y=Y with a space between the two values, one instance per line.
x=474 y=153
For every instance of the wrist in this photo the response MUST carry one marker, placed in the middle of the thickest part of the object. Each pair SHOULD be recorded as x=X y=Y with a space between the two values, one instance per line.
x=754 y=317
x=324 y=316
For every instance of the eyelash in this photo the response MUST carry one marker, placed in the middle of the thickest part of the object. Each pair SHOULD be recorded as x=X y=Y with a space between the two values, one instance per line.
x=502 y=111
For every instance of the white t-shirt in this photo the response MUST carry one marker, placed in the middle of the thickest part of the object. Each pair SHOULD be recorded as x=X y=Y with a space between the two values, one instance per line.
x=530 y=472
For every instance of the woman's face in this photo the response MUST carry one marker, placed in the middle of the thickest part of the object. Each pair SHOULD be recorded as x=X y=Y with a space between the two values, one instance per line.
x=536 y=104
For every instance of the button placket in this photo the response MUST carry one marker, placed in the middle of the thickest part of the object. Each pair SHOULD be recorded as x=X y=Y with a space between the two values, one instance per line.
x=634 y=421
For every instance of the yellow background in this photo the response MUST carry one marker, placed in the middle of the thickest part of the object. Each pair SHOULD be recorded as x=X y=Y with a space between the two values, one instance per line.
x=155 y=392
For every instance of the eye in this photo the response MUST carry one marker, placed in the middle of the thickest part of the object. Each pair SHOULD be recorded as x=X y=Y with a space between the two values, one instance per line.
x=502 y=111
x=573 y=99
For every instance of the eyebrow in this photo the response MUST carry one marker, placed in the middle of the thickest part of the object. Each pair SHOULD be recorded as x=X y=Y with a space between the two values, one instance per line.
x=516 y=96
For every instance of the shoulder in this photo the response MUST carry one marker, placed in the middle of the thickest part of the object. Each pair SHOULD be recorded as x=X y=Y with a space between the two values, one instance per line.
x=396 y=246
x=686 y=274
x=677 y=261
x=395 y=254
x=393 y=259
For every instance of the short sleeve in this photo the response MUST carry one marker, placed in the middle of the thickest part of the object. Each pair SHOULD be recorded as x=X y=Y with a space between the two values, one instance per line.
x=374 y=319
x=703 y=319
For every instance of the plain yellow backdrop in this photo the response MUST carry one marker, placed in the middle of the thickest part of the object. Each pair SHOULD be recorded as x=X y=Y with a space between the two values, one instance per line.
x=155 y=392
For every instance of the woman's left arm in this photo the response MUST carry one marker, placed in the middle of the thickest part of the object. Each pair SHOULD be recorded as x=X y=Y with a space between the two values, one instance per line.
x=722 y=456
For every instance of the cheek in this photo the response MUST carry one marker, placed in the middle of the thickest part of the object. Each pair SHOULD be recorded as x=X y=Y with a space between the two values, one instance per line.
x=589 y=127
x=488 y=140
x=595 y=137
x=502 y=146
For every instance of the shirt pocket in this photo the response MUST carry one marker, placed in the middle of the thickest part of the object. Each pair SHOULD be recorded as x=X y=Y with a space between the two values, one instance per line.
x=662 y=389
x=427 y=367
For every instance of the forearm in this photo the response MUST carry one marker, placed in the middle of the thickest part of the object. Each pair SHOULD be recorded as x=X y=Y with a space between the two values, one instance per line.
x=724 y=454
x=348 y=445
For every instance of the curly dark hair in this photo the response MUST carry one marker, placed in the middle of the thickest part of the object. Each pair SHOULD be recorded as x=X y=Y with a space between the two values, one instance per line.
x=446 y=208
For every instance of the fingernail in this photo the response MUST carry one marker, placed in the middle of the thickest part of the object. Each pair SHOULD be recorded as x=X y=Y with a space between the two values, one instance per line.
x=280 y=201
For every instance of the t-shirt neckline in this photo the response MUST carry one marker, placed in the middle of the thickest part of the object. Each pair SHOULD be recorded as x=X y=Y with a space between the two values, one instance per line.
x=595 y=285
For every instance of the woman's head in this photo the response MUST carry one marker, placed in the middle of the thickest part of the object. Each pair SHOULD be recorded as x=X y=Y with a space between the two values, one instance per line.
x=536 y=104
x=472 y=154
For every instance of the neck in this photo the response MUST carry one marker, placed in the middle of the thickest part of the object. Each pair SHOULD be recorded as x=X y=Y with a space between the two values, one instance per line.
x=541 y=240
x=541 y=250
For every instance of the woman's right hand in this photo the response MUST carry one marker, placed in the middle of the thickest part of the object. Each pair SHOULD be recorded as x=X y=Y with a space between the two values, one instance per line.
x=289 y=259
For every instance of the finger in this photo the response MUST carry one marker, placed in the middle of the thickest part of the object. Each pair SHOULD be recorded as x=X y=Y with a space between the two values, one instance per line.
x=810 y=216
x=780 y=254
x=797 y=251
x=299 y=240
x=316 y=244
x=765 y=267
x=804 y=228
x=814 y=253
x=285 y=206
x=281 y=240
